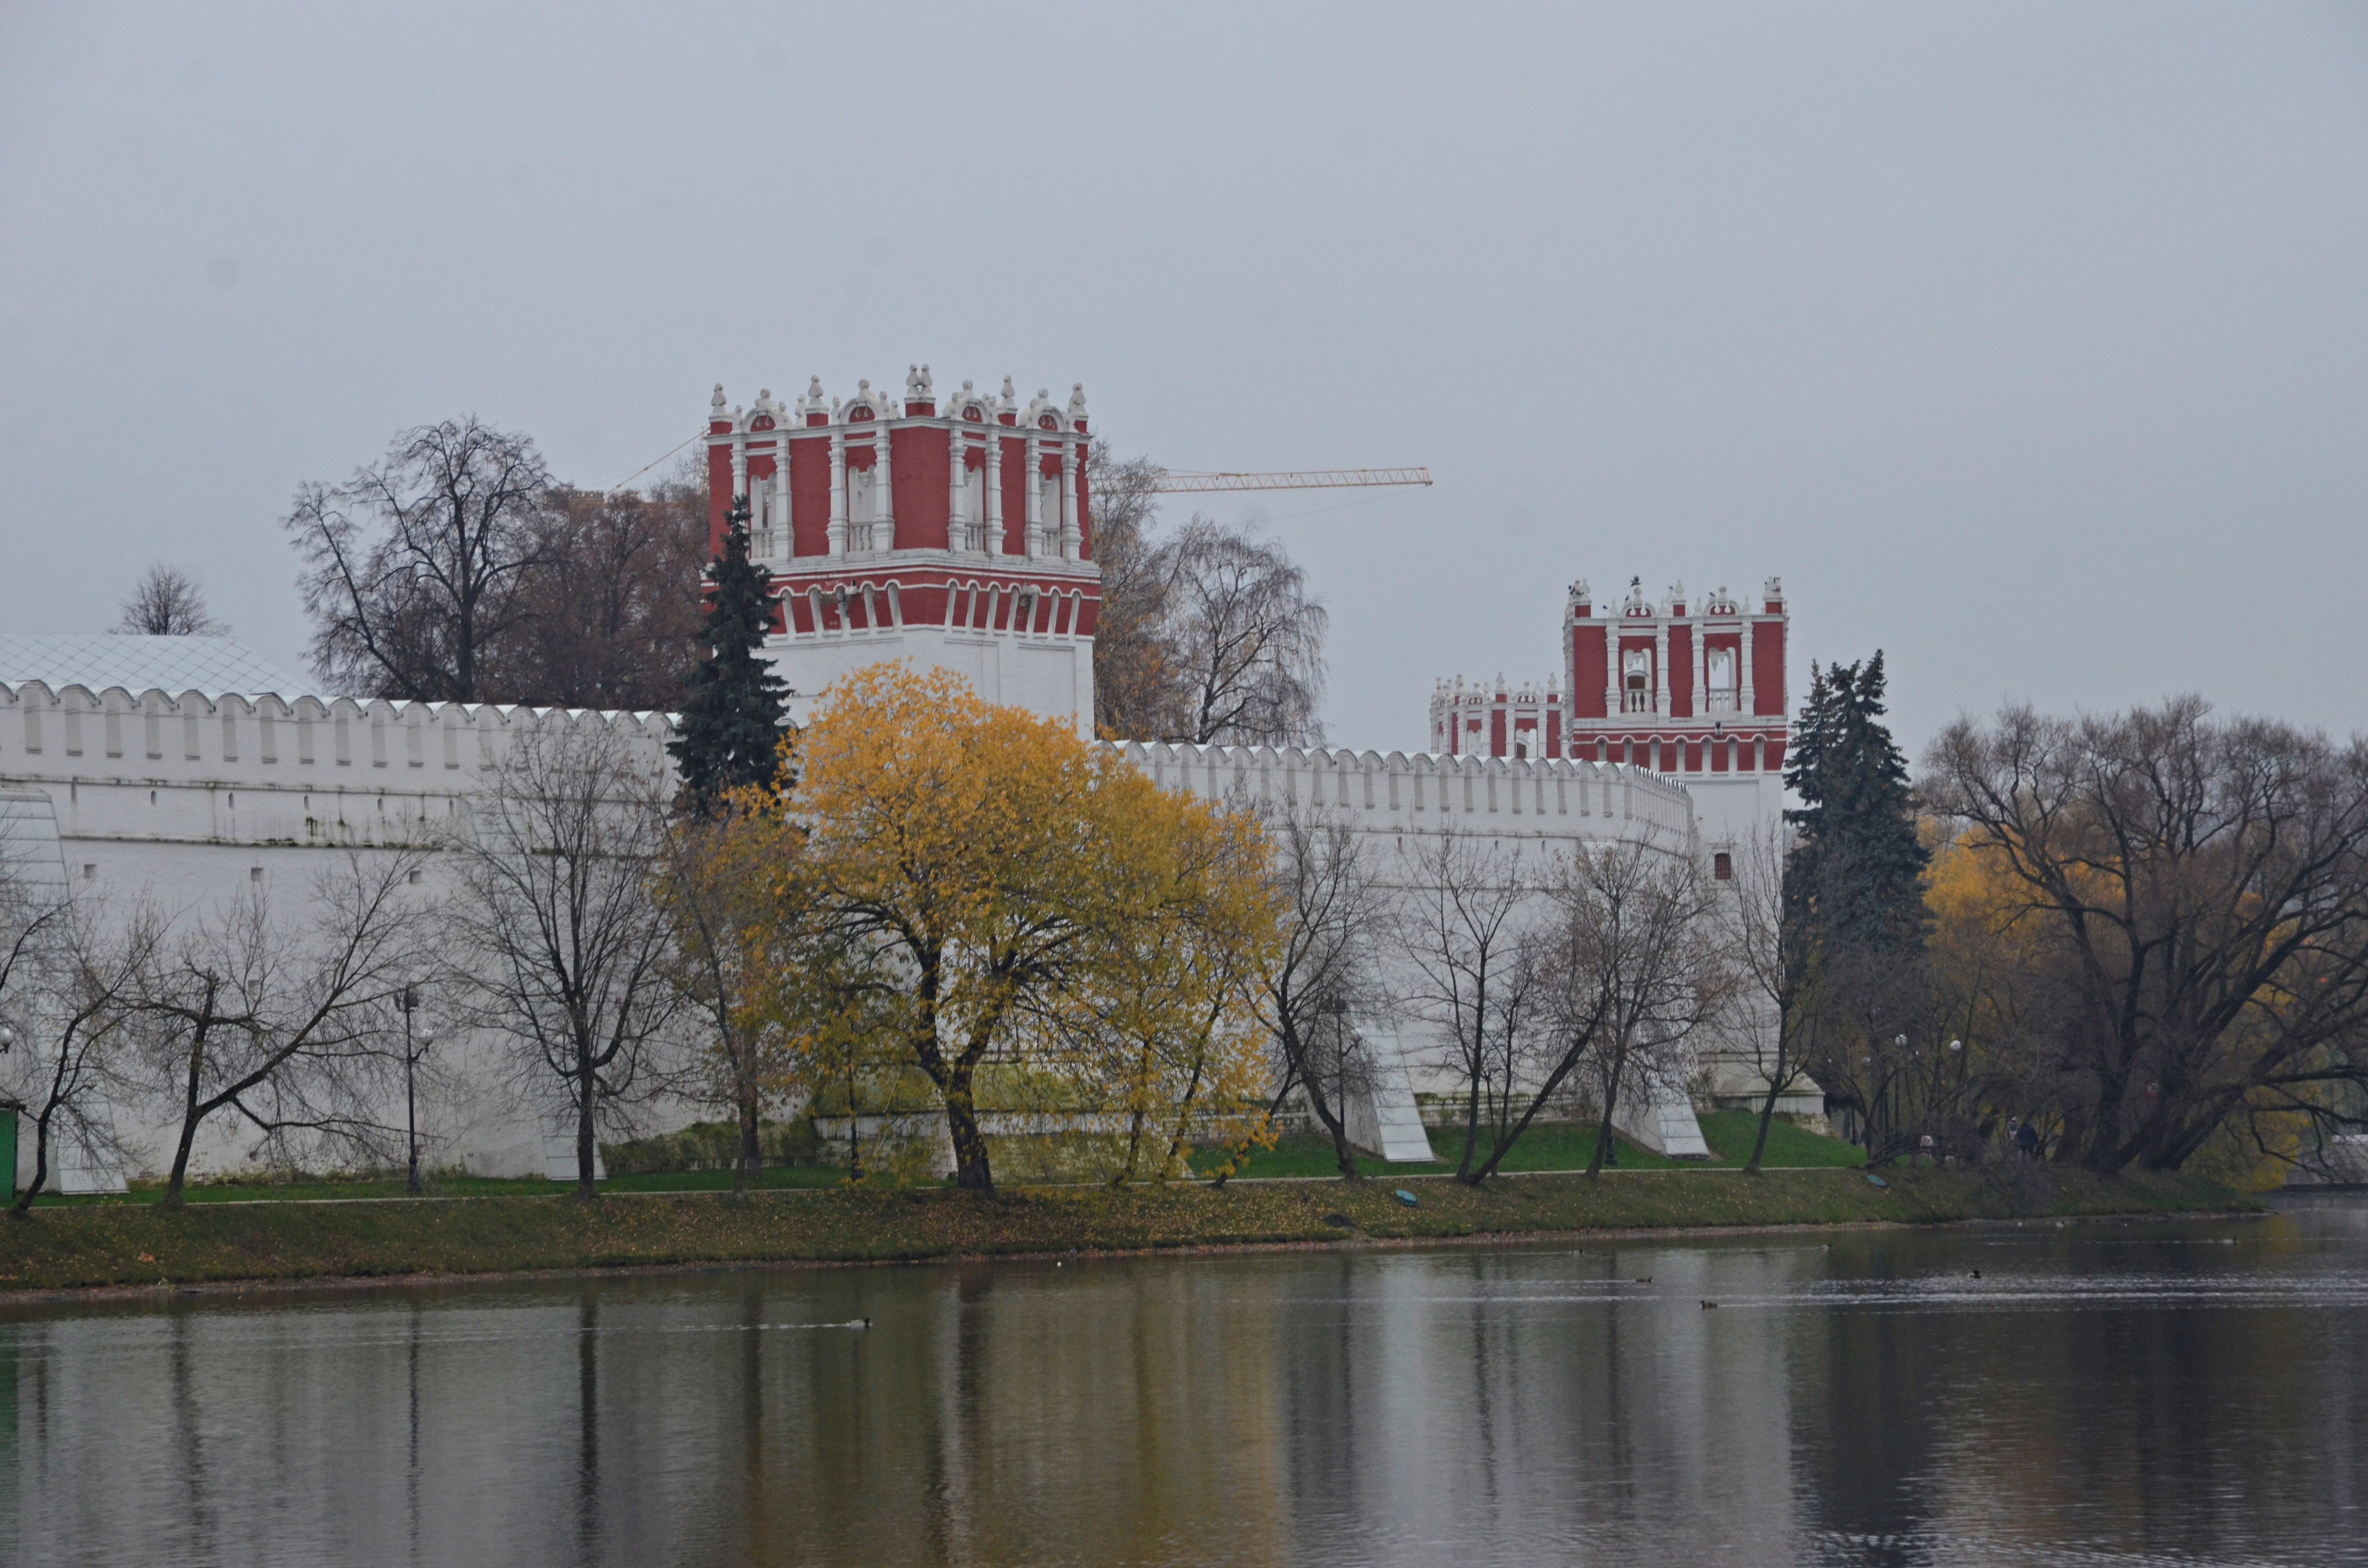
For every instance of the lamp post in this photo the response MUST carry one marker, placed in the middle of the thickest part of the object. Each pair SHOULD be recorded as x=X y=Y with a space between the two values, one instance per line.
x=406 y=1002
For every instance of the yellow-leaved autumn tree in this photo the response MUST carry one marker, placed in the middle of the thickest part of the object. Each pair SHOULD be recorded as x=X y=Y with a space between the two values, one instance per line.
x=1005 y=908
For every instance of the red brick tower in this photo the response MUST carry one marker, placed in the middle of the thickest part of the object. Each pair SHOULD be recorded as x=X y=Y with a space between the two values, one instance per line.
x=1694 y=691
x=960 y=539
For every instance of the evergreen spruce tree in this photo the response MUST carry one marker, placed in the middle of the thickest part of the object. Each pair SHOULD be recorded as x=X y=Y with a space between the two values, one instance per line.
x=1855 y=874
x=729 y=731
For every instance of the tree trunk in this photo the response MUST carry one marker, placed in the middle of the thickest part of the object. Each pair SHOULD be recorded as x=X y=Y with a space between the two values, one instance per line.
x=1471 y=1130
x=586 y=1151
x=752 y=1154
x=1604 y=1128
x=179 y=1179
x=972 y=1172
x=24 y=1207
x=1767 y=1114
x=1335 y=1121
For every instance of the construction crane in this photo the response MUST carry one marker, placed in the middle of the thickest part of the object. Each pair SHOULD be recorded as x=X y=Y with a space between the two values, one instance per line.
x=1323 y=479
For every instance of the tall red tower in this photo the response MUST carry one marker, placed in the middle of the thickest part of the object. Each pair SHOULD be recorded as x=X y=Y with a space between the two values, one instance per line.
x=1688 y=688
x=893 y=530
x=1694 y=690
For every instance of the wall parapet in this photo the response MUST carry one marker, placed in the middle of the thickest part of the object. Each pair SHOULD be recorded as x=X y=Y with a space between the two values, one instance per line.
x=1423 y=791
x=195 y=737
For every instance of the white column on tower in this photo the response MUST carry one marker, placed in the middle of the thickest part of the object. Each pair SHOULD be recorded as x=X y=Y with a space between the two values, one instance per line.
x=784 y=542
x=994 y=491
x=1072 y=537
x=839 y=490
x=1661 y=668
x=739 y=462
x=1744 y=704
x=957 y=528
x=1034 y=491
x=1701 y=672
x=883 y=490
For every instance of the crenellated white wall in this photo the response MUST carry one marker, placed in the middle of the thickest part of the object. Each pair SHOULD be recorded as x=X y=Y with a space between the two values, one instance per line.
x=1548 y=803
x=182 y=802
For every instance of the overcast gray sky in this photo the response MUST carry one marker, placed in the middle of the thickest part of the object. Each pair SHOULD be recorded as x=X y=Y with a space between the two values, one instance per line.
x=2029 y=344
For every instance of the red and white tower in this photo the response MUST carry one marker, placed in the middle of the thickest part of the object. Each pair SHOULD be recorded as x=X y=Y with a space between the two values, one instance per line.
x=1694 y=690
x=892 y=531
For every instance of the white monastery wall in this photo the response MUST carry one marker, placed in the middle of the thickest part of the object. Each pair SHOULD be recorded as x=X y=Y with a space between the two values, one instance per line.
x=1401 y=805
x=184 y=803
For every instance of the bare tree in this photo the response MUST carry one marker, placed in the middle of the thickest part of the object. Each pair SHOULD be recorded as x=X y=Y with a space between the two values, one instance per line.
x=286 y=1027
x=2196 y=891
x=713 y=886
x=1245 y=636
x=1645 y=943
x=1773 y=966
x=1324 y=975
x=166 y=602
x=62 y=1047
x=1136 y=689
x=1467 y=926
x=568 y=949
x=416 y=567
x=63 y=993
x=610 y=615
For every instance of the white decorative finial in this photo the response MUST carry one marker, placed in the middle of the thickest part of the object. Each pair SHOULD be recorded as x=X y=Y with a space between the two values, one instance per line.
x=1078 y=401
x=813 y=389
x=716 y=403
x=1775 y=587
x=1579 y=592
x=1007 y=393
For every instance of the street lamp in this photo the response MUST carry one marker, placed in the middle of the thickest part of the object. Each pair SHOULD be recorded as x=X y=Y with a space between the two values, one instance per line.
x=406 y=1002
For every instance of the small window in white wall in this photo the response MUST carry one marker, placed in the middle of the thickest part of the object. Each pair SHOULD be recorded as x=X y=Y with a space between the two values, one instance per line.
x=90 y=870
x=255 y=873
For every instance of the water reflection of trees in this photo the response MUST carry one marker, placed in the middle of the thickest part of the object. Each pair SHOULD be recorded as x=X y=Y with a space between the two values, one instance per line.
x=1490 y=1406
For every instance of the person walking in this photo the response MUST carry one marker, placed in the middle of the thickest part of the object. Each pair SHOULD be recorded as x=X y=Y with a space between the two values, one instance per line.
x=2026 y=1139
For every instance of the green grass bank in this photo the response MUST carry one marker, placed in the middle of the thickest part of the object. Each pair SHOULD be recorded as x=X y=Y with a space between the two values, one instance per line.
x=141 y=1244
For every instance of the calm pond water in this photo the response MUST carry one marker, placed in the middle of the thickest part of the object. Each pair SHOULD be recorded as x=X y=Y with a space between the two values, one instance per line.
x=2101 y=1393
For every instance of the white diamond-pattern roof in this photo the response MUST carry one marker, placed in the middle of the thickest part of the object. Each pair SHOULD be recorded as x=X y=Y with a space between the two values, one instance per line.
x=214 y=665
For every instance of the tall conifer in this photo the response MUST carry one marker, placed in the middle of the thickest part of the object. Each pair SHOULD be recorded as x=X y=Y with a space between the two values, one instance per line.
x=1855 y=875
x=730 y=727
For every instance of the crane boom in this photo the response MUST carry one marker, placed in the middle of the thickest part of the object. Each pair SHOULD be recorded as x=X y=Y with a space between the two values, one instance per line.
x=1321 y=478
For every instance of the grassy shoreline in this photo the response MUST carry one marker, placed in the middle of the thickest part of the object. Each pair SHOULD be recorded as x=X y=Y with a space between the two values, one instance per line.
x=135 y=1245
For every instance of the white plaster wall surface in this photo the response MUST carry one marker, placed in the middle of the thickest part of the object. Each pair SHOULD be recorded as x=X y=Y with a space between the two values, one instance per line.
x=183 y=804
x=1401 y=805
x=1047 y=674
x=189 y=800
